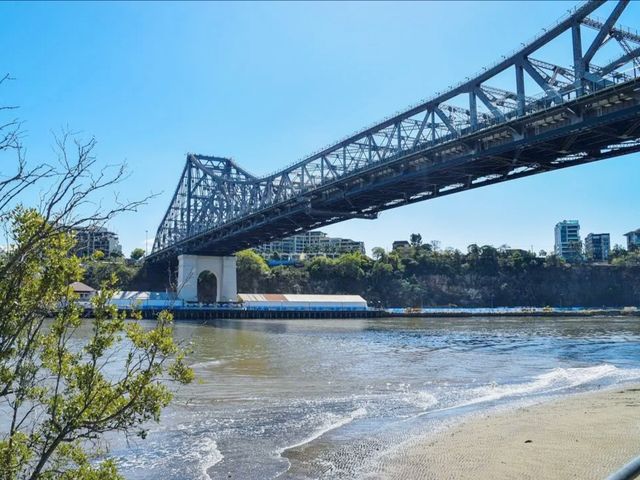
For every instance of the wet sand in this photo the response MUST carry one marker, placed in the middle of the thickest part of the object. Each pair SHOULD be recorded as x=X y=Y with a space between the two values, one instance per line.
x=585 y=436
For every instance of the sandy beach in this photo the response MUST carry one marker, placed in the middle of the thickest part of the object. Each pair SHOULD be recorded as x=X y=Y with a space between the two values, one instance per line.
x=585 y=436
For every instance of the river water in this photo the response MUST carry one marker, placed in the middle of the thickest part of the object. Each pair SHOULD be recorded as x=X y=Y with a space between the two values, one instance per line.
x=298 y=399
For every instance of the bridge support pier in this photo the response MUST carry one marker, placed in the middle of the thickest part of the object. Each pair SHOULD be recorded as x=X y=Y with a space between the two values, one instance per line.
x=191 y=281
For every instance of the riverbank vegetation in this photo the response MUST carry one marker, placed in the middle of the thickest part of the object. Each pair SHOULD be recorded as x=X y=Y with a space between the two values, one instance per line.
x=97 y=270
x=65 y=382
x=421 y=275
x=425 y=275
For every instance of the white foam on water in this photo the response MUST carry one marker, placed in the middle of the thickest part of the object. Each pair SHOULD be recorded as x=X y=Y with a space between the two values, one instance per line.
x=420 y=399
x=209 y=455
x=552 y=381
x=331 y=423
x=195 y=456
x=555 y=380
x=209 y=363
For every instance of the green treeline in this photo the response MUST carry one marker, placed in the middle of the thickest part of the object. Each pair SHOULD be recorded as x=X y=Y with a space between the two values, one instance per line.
x=424 y=275
x=99 y=269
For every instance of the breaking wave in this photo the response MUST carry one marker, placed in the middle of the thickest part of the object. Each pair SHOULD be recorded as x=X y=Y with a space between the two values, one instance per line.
x=331 y=423
x=552 y=381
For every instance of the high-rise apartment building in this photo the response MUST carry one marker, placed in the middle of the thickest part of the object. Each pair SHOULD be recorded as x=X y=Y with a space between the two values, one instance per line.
x=567 y=240
x=91 y=239
x=633 y=239
x=597 y=247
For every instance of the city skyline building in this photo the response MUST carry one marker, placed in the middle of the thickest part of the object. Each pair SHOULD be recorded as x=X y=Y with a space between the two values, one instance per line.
x=567 y=240
x=92 y=239
x=633 y=239
x=597 y=247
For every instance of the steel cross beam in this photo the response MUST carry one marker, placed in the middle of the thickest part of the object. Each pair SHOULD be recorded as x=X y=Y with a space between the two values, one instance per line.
x=579 y=113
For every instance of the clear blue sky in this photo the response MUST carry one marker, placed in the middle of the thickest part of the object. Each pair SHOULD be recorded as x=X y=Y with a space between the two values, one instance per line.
x=268 y=83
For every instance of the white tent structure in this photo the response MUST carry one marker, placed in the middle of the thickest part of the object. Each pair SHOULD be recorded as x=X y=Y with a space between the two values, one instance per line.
x=306 y=302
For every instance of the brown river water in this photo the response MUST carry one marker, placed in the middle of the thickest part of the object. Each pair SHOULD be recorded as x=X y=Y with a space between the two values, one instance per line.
x=312 y=399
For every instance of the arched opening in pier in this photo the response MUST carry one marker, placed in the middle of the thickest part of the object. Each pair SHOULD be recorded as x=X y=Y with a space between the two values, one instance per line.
x=207 y=287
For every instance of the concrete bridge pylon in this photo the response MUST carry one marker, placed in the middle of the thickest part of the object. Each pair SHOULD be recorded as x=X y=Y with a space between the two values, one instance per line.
x=207 y=279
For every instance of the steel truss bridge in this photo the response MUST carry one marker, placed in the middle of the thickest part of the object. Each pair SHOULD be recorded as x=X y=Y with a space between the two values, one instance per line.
x=470 y=136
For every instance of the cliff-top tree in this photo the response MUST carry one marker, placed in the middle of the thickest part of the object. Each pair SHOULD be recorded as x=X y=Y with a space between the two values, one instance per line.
x=137 y=253
x=60 y=391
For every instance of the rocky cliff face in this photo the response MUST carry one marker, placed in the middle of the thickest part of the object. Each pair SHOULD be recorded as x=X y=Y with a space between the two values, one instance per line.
x=584 y=285
x=588 y=286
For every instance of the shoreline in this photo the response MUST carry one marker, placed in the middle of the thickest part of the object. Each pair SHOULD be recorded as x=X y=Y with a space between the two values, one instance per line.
x=227 y=312
x=587 y=435
x=612 y=313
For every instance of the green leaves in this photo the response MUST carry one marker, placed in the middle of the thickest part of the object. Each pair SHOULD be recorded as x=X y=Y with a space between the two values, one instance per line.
x=66 y=389
x=252 y=270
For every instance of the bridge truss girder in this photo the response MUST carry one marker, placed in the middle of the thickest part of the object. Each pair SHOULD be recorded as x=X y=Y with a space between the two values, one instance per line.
x=435 y=148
